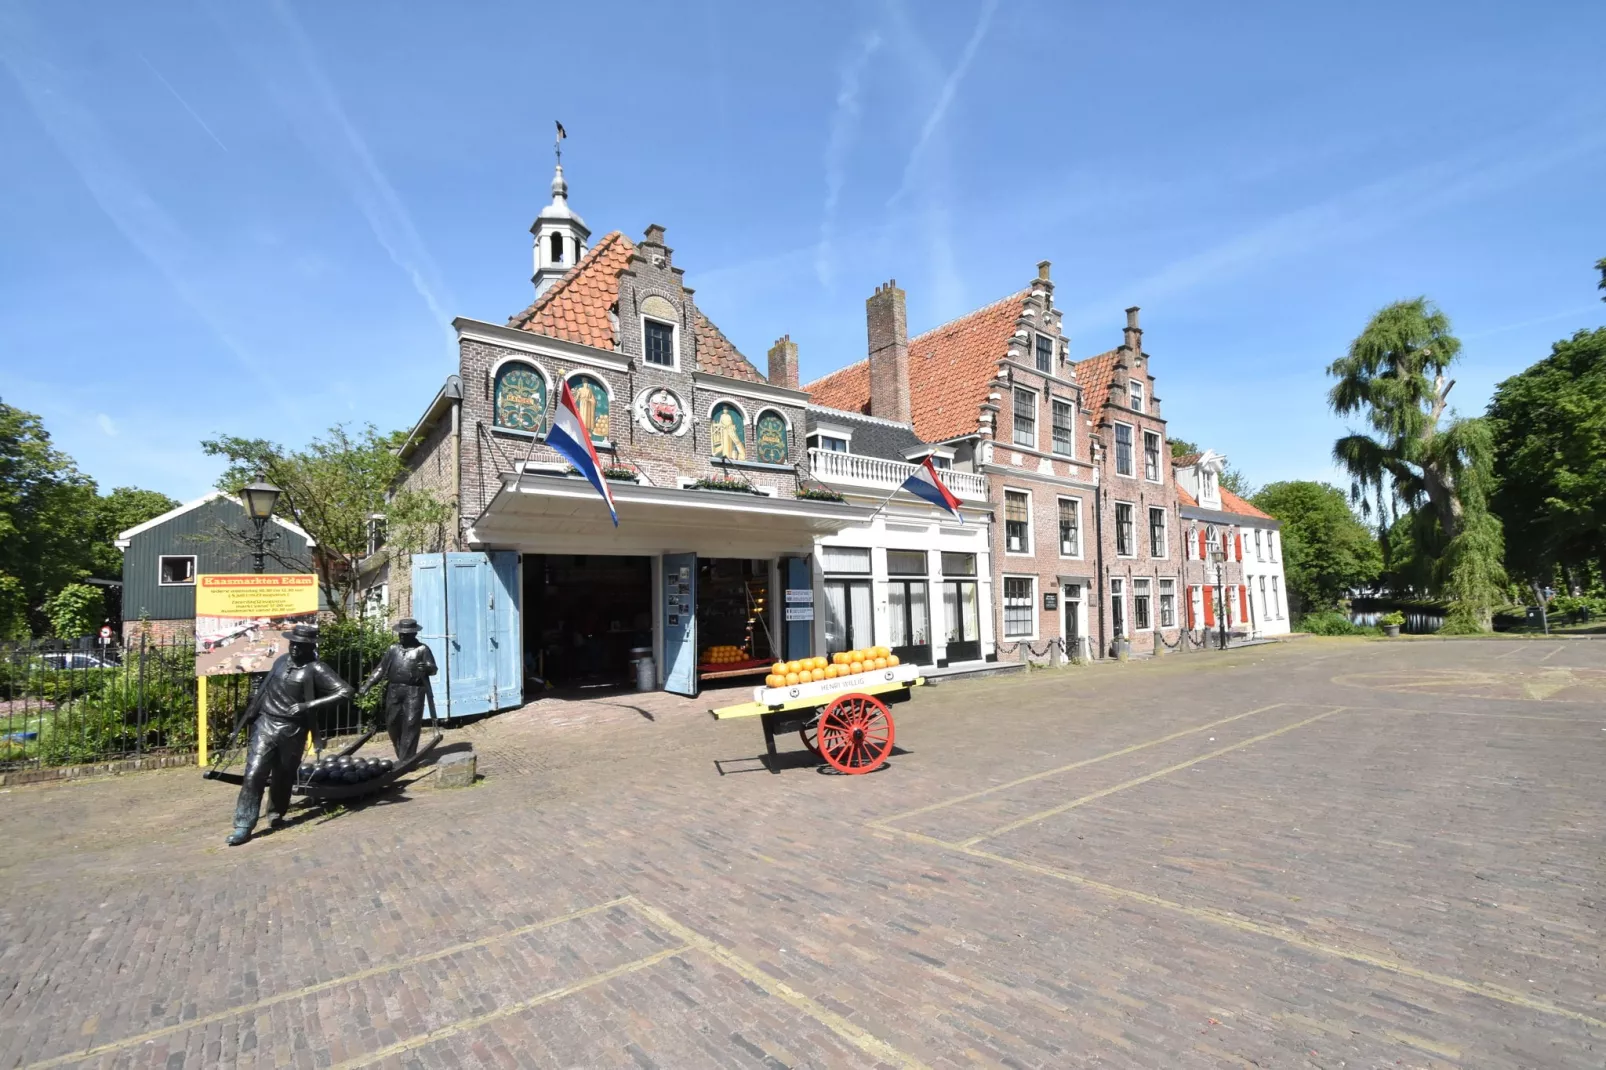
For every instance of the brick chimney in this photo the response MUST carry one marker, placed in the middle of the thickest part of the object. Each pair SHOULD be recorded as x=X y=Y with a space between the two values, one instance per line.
x=783 y=362
x=888 y=329
x=1133 y=338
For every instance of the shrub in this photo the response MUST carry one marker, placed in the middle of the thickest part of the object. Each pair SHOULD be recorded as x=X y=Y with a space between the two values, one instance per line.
x=1331 y=622
x=1395 y=619
x=1462 y=620
x=352 y=648
x=102 y=719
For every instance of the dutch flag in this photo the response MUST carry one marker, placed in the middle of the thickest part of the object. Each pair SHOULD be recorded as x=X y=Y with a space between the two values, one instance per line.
x=569 y=437
x=923 y=483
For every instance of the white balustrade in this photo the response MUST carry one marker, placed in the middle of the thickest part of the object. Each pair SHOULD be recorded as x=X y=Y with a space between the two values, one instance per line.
x=830 y=466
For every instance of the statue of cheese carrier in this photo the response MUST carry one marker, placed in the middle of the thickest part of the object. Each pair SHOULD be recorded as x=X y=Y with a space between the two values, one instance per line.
x=838 y=706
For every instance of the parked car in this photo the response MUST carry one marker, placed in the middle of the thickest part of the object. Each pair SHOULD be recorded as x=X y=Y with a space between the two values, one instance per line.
x=75 y=660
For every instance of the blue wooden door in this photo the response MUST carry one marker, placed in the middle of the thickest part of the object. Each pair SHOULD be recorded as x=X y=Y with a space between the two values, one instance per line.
x=467 y=607
x=680 y=623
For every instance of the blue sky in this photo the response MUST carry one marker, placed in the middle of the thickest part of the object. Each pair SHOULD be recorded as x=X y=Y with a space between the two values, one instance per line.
x=260 y=218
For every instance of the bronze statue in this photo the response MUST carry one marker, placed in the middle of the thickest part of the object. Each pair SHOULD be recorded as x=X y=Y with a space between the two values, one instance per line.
x=297 y=688
x=405 y=670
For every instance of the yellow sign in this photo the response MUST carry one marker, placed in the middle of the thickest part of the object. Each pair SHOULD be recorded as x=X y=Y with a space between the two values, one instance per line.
x=240 y=619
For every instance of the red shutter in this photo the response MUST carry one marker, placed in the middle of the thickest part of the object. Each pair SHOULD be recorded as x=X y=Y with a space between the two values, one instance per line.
x=1202 y=554
x=1191 y=624
x=1243 y=603
x=1238 y=543
x=1210 y=607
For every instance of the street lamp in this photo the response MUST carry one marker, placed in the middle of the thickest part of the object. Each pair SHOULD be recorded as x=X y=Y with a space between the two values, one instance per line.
x=260 y=498
x=1218 y=555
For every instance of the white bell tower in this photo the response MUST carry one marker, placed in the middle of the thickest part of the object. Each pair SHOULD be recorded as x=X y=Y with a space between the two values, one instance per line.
x=560 y=235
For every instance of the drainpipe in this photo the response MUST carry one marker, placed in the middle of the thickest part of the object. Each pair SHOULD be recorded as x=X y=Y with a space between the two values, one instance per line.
x=1099 y=577
x=457 y=468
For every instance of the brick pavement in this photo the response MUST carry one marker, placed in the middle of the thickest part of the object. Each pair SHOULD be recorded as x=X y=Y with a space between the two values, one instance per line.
x=1317 y=854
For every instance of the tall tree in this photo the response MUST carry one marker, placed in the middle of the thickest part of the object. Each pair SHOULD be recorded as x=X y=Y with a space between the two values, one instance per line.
x=1326 y=550
x=46 y=521
x=333 y=489
x=1549 y=429
x=115 y=513
x=1415 y=453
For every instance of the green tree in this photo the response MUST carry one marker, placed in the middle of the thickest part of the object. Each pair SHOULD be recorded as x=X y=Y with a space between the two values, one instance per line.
x=1326 y=549
x=1234 y=480
x=1549 y=430
x=1394 y=378
x=333 y=489
x=115 y=513
x=46 y=520
x=1600 y=266
x=1181 y=447
x=76 y=610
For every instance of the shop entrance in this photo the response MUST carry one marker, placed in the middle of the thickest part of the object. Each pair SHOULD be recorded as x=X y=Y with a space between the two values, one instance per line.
x=583 y=615
x=735 y=616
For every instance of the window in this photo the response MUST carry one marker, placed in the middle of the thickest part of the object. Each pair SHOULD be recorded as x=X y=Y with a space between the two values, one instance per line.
x=176 y=570
x=1063 y=429
x=1135 y=394
x=520 y=397
x=727 y=432
x=1125 y=538
x=1207 y=485
x=1025 y=418
x=831 y=443
x=939 y=461
x=1017 y=522
x=1045 y=354
x=1118 y=607
x=557 y=249
x=1151 y=456
x=1123 y=449
x=1271 y=546
x=591 y=399
x=1195 y=607
x=961 y=607
x=1070 y=527
x=770 y=443
x=659 y=339
x=1276 y=598
x=1018 y=607
x=1265 y=607
x=845 y=559
x=1157 y=539
x=1168 y=603
x=907 y=611
x=1260 y=554
x=1140 y=604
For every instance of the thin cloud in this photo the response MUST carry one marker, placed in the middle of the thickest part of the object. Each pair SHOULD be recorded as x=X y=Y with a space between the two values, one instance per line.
x=844 y=124
x=314 y=107
x=945 y=98
x=182 y=102
x=107 y=427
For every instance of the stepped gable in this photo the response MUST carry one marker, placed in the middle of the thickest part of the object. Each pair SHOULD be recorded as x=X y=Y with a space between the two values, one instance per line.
x=1094 y=375
x=950 y=368
x=577 y=306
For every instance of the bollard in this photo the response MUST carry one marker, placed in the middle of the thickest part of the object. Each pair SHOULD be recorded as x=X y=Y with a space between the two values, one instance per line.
x=455 y=770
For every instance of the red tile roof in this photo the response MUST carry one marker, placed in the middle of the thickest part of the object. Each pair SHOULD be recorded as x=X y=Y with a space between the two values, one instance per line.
x=1183 y=497
x=1231 y=503
x=577 y=308
x=1094 y=375
x=1185 y=460
x=949 y=369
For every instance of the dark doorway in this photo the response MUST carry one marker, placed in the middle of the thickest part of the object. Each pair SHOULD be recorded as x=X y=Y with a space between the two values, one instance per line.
x=583 y=615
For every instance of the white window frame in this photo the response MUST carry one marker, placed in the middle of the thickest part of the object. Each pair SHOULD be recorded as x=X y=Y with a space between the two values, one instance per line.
x=1070 y=405
x=1165 y=532
x=1118 y=598
x=1260 y=554
x=160 y=558
x=1277 y=597
x=1081 y=539
x=1115 y=523
x=674 y=343
x=819 y=438
x=1196 y=604
x=1115 y=449
x=1053 y=351
x=1031 y=547
x=1003 y=605
x=1159 y=602
x=1159 y=457
x=1014 y=415
x=1150 y=596
x=1135 y=392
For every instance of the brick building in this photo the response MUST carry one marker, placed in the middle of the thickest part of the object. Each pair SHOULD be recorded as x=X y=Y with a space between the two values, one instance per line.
x=703 y=454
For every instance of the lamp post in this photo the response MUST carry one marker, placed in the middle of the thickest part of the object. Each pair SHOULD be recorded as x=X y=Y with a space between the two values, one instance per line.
x=260 y=498
x=1218 y=555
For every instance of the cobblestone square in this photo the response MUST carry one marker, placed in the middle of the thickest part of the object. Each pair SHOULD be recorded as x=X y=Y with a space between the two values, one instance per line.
x=1321 y=853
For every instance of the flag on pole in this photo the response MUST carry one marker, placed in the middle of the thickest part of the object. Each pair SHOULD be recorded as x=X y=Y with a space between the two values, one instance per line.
x=562 y=133
x=923 y=482
x=570 y=437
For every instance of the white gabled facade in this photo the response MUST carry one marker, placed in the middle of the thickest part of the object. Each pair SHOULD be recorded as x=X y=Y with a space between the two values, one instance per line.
x=1252 y=539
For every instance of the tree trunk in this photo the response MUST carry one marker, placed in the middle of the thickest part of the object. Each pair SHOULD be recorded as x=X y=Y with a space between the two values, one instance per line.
x=1441 y=495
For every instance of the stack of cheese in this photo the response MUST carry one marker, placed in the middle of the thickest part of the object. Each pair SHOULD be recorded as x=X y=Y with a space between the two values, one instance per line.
x=724 y=655
x=848 y=663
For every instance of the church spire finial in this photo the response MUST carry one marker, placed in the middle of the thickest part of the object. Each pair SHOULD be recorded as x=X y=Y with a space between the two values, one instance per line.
x=560 y=235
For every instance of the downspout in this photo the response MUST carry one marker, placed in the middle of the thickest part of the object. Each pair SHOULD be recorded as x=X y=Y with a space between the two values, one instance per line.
x=457 y=467
x=1099 y=570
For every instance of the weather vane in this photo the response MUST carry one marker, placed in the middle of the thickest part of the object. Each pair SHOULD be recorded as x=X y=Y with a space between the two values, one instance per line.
x=557 y=143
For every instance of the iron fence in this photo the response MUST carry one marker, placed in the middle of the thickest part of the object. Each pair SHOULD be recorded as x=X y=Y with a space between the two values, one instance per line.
x=63 y=706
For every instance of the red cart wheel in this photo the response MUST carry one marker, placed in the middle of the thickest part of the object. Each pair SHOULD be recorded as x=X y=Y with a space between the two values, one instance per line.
x=855 y=734
x=807 y=735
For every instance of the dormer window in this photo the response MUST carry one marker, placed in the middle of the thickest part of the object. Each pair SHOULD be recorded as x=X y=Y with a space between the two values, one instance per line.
x=1135 y=393
x=830 y=443
x=659 y=340
x=1207 y=484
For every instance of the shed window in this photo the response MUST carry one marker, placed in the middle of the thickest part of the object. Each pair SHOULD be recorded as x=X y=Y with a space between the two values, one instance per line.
x=177 y=570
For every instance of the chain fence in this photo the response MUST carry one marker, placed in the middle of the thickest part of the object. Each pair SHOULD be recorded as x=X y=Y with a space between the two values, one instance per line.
x=65 y=703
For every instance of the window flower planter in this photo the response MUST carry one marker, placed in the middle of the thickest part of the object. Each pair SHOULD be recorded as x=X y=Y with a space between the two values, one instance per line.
x=820 y=496
x=730 y=486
